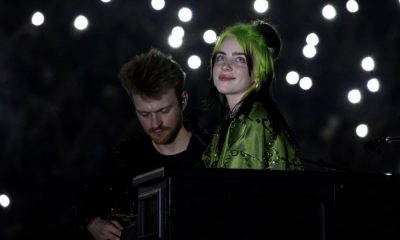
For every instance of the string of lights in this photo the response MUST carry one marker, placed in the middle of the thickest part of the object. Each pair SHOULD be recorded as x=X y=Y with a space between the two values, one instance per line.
x=62 y=107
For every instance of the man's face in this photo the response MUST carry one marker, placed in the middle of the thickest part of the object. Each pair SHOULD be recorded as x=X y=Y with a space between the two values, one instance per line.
x=160 y=118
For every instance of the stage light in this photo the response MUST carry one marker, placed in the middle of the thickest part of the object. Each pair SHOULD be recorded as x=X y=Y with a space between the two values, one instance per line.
x=185 y=14
x=106 y=1
x=210 y=36
x=362 y=130
x=81 y=23
x=4 y=200
x=368 y=64
x=309 y=51
x=175 y=41
x=178 y=31
x=261 y=6
x=373 y=85
x=37 y=18
x=352 y=6
x=157 y=4
x=354 y=96
x=292 y=77
x=305 y=83
x=312 y=39
x=194 y=62
x=329 y=12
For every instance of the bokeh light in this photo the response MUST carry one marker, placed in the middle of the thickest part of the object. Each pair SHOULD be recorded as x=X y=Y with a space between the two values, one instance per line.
x=175 y=41
x=312 y=39
x=37 y=18
x=157 y=4
x=178 y=31
x=354 y=96
x=194 y=62
x=362 y=130
x=329 y=12
x=373 y=85
x=185 y=14
x=81 y=23
x=292 y=77
x=309 y=51
x=4 y=200
x=305 y=83
x=261 y=6
x=368 y=64
x=352 y=6
x=210 y=36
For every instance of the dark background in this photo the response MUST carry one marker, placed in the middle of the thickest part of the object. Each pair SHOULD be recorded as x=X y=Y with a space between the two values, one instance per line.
x=62 y=107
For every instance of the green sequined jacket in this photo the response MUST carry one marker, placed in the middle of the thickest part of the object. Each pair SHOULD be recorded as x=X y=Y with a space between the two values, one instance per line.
x=252 y=142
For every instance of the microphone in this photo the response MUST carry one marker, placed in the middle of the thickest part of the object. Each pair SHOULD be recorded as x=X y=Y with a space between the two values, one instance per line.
x=390 y=139
x=375 y=145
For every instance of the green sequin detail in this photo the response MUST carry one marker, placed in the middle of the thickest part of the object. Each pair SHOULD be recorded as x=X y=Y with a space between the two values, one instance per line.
x=252 y=143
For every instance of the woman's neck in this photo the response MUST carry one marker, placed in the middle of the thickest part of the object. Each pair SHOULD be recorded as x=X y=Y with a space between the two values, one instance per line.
x=234 y=102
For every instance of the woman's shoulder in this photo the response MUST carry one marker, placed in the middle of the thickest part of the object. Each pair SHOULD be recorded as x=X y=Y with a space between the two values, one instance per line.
x=258 y=111
x=258 y=119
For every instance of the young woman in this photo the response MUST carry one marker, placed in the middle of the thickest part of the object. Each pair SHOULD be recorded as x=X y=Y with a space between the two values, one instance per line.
x=253 y=133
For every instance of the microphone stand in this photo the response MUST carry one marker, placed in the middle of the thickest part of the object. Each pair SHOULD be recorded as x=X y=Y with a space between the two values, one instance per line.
x=375 y=145
x=391 y=139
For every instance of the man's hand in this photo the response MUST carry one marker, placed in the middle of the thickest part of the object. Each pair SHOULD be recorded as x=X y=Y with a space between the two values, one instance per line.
x=102 y=229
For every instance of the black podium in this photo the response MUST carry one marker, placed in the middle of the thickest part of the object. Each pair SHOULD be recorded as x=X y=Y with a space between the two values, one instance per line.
x=190 y=203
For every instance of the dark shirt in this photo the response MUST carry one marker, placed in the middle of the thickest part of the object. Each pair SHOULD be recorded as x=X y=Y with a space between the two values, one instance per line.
x=112 y=192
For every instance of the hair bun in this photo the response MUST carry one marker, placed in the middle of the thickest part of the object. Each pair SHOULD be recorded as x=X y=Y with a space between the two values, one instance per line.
x=271 y=37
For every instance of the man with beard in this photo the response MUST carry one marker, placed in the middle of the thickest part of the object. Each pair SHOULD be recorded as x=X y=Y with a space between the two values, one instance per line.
x=155 y=83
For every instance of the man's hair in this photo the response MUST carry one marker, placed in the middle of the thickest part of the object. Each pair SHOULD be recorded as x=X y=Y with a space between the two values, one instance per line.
x=152 y=74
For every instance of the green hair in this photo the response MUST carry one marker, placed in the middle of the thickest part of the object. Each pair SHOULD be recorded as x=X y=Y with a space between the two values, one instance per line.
x=261 y=45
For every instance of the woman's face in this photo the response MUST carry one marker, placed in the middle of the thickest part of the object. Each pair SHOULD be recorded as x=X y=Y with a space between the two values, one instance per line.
x=230 y=71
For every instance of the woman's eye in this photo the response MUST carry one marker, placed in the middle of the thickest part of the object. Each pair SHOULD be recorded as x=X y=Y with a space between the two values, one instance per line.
x=219 y=58
x=241 y=60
